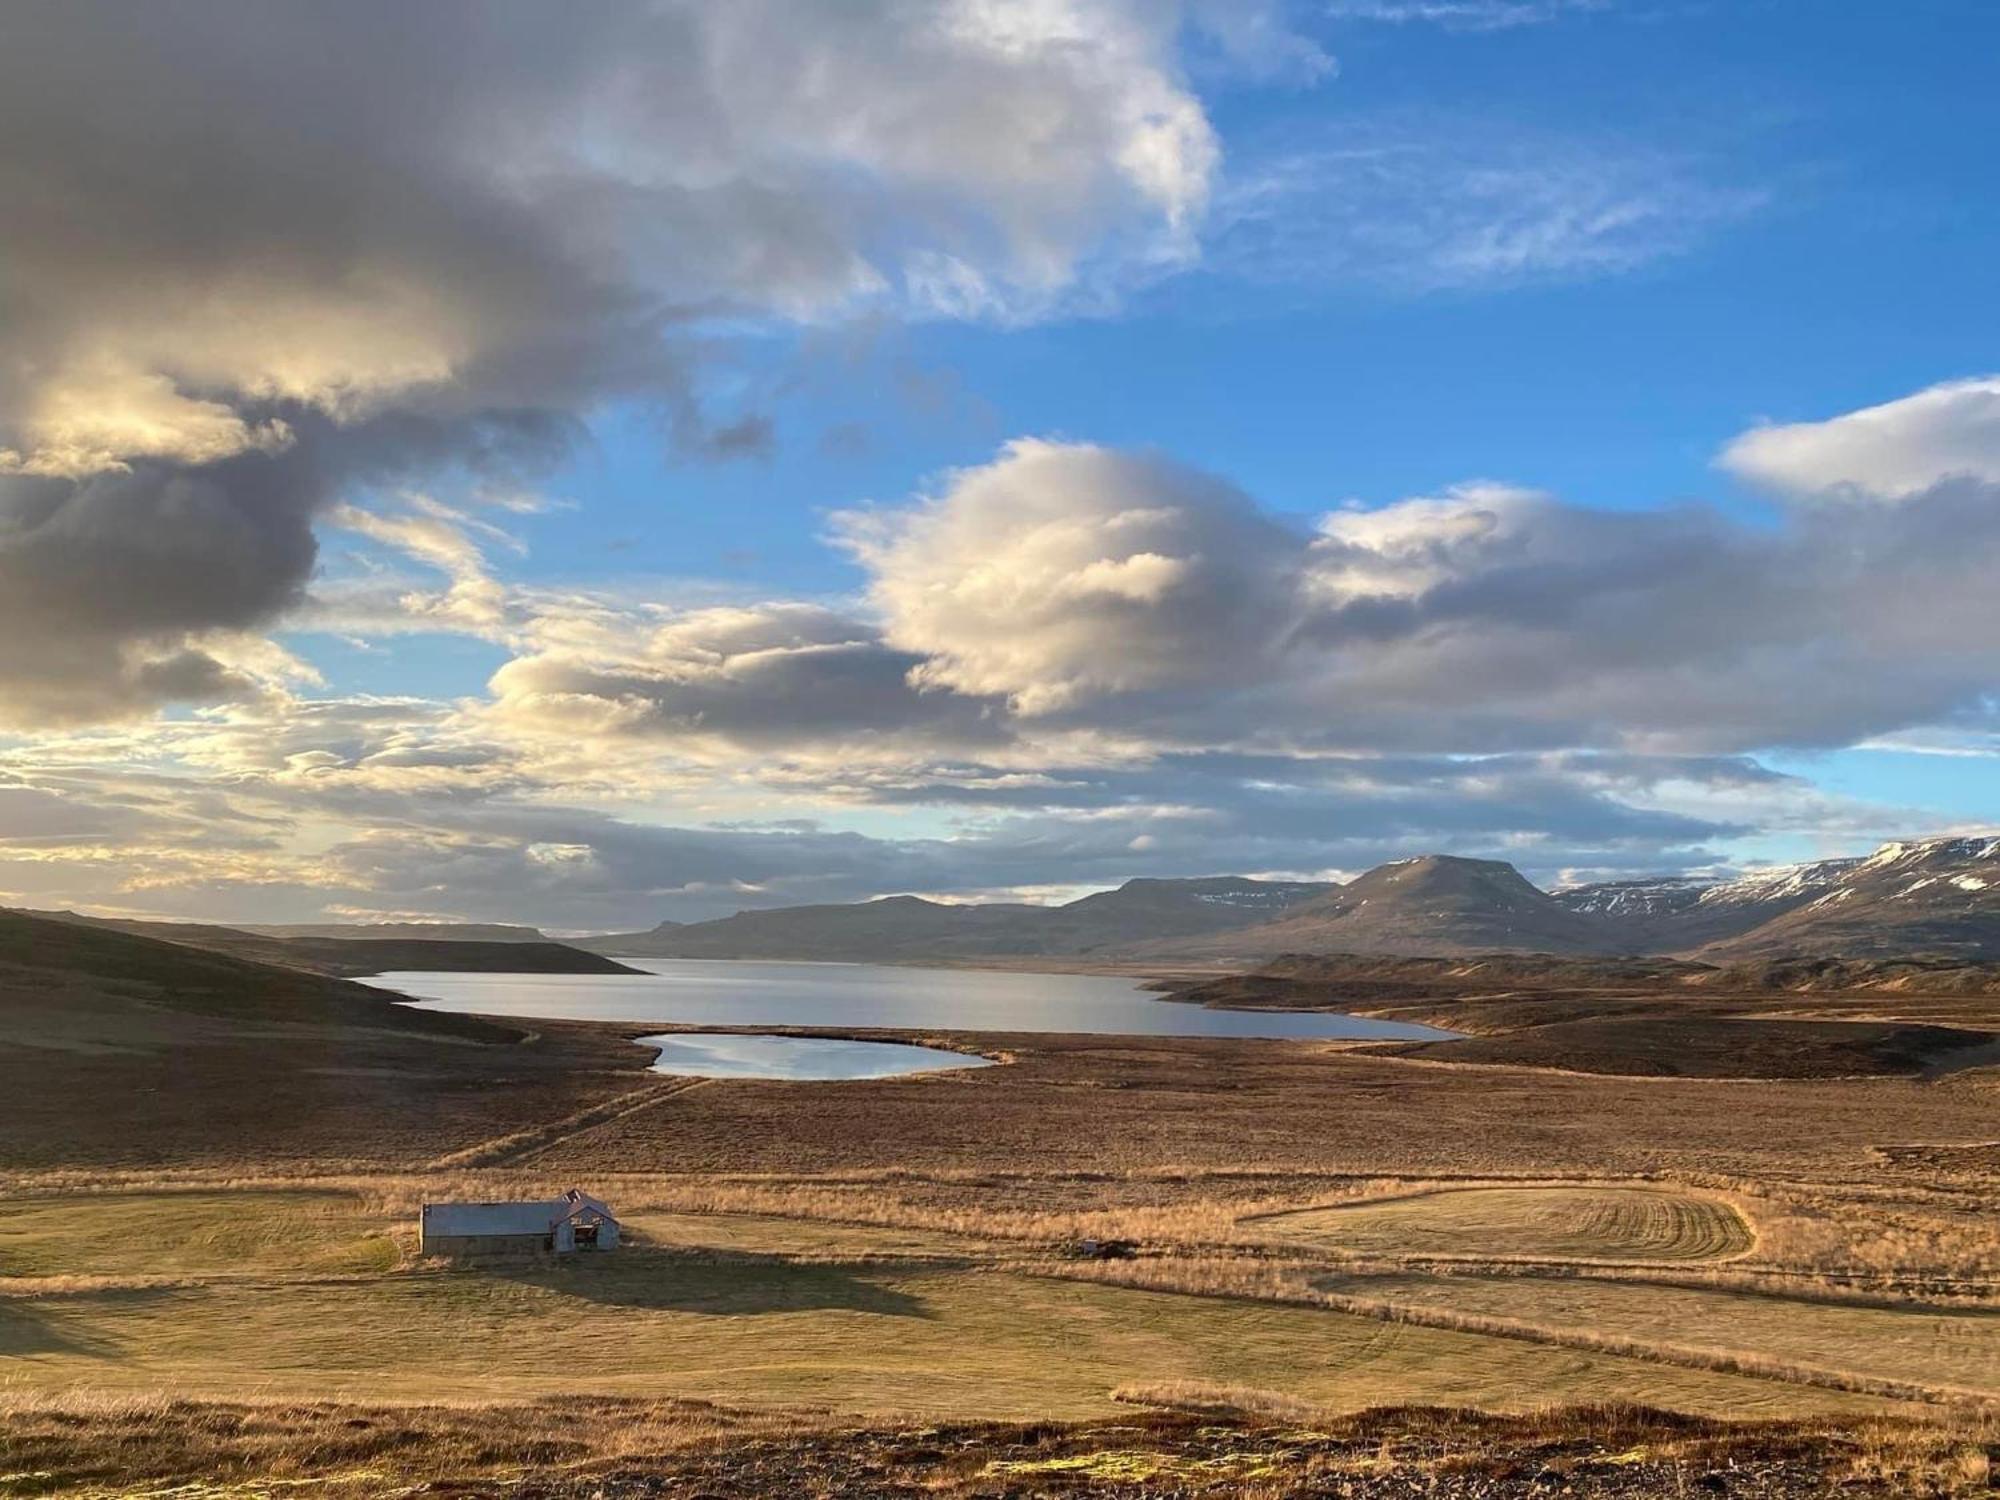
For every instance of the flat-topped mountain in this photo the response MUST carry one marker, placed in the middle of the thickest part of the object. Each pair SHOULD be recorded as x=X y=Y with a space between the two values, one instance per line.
x=1435 y=904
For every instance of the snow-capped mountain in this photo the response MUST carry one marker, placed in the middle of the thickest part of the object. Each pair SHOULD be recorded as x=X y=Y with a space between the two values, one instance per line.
x=1928 y=896
x=1655 y=897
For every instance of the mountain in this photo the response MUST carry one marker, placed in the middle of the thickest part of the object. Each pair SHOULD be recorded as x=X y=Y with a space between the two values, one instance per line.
x=1934 y=896
x=909 y=928
x=1655 y=896
x=1675 y=914
x=1435 y=904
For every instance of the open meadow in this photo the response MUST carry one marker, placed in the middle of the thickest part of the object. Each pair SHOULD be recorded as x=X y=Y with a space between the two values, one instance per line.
x=1315 y=1229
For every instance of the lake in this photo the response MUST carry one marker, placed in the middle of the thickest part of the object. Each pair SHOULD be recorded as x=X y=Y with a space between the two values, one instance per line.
x=721 y=992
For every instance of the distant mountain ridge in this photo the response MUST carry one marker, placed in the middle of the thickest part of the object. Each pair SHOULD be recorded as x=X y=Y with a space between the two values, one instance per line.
x=1929 y=897
x=905 y=928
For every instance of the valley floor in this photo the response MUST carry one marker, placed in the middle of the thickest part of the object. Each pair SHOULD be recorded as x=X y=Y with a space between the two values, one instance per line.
x=857 y=1284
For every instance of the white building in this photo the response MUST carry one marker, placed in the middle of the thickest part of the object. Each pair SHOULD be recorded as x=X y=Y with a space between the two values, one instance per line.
x=561 y=1226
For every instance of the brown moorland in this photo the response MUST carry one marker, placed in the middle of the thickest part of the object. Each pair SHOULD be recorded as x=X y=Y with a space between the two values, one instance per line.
x=1824 y=1241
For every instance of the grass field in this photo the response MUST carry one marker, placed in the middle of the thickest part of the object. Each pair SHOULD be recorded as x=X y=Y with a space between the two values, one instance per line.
x=1556 y=1222
x=1955 y=1347
x=1816 y=1246
x=194 y=1234
x=854 y=1336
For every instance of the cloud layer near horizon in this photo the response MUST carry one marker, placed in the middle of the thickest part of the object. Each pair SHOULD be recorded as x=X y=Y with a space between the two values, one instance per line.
x=1080 y=662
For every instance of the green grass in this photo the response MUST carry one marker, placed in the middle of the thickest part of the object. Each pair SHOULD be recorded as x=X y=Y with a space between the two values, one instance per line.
x=870 y=1338
x=1567 y=1223
x=1931 y=1346
x=192 y=1234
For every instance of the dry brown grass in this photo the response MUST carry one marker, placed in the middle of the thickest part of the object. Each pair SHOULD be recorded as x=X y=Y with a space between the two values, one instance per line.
x=56 y=1443
x=1276 y=1282
x=1242 y=1443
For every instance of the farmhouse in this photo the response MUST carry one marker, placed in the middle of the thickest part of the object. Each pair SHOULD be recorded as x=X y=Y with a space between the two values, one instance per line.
x=560 y=1226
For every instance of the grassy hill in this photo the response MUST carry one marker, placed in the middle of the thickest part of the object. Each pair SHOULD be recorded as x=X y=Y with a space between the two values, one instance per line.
x=121 y=1048
x=364 y=951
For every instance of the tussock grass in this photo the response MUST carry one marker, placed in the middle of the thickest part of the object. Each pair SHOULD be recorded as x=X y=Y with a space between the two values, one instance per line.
x=65 y=1442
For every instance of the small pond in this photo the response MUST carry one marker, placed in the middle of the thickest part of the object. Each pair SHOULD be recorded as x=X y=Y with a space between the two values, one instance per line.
x=712 y=1054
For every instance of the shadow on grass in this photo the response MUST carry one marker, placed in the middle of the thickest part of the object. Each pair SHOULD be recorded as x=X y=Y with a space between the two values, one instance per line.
x=719 y=1285
x=27 y=1329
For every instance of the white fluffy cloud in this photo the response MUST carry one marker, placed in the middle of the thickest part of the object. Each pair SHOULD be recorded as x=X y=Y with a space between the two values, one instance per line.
x=1894 y=451
x=1064 y=572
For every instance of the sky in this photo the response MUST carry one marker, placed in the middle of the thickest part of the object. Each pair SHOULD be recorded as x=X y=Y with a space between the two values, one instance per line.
x=508 y=463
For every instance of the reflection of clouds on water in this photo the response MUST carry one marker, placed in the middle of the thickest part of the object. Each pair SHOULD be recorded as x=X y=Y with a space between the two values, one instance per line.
x=722 y=1055
x=729 y=992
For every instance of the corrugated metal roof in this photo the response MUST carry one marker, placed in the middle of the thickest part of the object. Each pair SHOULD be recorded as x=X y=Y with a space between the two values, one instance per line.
x=537 y=1217
x=492 y=1218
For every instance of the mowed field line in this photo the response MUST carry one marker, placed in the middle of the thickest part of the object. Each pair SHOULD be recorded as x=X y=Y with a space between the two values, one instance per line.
x=896 y=1338
x=501 y=1150
x=1598 y=1224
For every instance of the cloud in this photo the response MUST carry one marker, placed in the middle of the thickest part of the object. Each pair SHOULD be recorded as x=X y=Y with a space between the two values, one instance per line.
x=287 y=835
x=717 y=683
x=1065 y=571
x=1069 y=606
x=256 y=264
x=1415 y=207
x=1895 y=451
x=1128 y=596
x=1464 y=15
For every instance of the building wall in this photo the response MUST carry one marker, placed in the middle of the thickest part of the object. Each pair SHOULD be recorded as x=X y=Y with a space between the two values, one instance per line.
x=485 y=1244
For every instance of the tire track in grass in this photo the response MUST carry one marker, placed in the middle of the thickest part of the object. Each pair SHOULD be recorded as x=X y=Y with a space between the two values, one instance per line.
x=502 y=1150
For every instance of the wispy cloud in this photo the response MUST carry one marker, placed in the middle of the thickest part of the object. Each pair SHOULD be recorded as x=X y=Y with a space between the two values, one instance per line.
x=1470 y=207
x=1464 y=15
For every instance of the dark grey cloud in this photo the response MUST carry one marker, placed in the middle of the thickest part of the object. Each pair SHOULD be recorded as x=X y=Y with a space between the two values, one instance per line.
x=792 y=678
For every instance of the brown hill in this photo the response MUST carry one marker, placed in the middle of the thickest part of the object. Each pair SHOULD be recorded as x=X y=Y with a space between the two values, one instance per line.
x=437 y=932
x=120 y=1049
x=360 y=956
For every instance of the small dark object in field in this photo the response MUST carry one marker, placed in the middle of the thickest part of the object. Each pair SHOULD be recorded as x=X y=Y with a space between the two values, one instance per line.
x=1103 y=1250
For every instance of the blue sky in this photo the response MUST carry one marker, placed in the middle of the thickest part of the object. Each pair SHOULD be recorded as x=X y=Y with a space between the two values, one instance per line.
x=1492 y=267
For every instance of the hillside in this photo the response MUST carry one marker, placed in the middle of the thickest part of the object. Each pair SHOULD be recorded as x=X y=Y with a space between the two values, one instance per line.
x=1936 y=896
x=1679 y=914
x=440 y=932
x=122 y=1048
x=359 y=956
